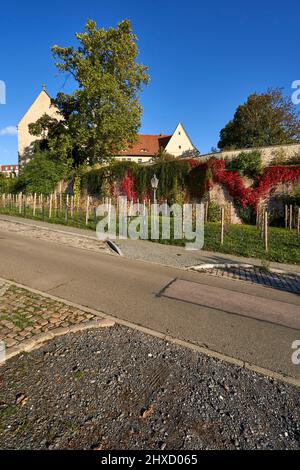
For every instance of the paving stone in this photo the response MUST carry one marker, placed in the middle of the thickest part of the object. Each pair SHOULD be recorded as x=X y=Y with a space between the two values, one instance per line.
x=44 y=314
x=259 y=276
x=9 y=342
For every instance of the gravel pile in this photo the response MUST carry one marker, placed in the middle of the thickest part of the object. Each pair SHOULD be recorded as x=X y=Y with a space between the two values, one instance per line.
x=120 y=389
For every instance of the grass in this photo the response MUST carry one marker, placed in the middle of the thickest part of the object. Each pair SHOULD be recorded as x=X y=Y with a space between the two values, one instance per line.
x=245 y=240
x=241 y=240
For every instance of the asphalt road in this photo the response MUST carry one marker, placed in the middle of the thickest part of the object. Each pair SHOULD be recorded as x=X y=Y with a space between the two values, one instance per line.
x=252 y=323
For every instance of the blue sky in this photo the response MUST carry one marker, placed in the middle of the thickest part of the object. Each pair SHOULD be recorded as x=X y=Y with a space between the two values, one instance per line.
x=204 y=58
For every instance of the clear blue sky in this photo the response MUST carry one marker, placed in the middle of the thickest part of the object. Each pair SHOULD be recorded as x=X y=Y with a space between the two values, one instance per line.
x=205 y=58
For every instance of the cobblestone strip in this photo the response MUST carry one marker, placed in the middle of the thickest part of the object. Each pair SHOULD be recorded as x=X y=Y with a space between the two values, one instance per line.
x=56 y=236
x=28 y=319
x=286 y=282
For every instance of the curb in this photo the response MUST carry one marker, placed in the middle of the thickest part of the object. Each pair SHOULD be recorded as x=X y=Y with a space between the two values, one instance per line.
x=201 y=267
x=204 y=266
x=194 y=347
x=38 y=341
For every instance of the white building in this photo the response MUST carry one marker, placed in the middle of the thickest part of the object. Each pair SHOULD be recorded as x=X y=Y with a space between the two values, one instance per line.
x=42 y=105
x=143 y=150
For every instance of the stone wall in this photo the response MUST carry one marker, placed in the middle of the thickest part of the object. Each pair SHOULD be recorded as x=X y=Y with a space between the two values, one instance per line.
x=219 y=194
x=268 y=153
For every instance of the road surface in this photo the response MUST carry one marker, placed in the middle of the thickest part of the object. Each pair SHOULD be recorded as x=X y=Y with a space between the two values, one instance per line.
x=252 y=323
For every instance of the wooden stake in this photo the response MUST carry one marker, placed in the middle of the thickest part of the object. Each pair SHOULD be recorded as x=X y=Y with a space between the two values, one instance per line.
x=34 y=204
x=72 y=206
x=109 y=214
x=266 y=231
x=67 y=208
x=291 y=217
x=20 y=203
x=87 y=210
x=222 y=224
x=50 y=207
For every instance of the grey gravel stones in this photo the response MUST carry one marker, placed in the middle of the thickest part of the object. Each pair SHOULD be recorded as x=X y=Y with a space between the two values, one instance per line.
x=117 y=388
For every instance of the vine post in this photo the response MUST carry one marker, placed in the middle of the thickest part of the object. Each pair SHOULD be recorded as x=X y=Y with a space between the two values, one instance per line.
x=50 y=206
x=266 y=231
x=34 y=204
x=222 y=224
x=87 y=210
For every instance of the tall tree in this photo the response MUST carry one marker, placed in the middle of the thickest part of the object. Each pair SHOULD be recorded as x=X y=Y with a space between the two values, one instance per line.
x=103 y=114
x=265 y=119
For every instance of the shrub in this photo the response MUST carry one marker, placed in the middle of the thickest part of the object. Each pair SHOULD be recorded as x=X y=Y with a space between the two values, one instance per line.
x=279 y=157
x=42 y=174
x=246 y=214
x=294 y=159
x=214 y=212
x=7 y=185
x=246 y=163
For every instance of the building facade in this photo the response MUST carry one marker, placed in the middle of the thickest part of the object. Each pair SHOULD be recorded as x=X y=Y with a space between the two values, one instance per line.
x=148 y=145
x=142 y=151
x=9 y=170
x=42 y=105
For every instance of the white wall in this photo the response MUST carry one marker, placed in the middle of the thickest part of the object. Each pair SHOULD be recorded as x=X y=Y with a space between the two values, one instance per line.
x=42 y=105
x=179 y=142
x=137 y=159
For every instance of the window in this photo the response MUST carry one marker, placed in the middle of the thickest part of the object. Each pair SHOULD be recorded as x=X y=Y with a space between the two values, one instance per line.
x=179 y=133
x=180 y=146
x=140 y=160
x=129 y=159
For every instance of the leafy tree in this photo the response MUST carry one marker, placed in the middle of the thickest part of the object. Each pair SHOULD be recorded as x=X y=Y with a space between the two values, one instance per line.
x=103 y=114
x=192 y=153
x=42 y=174
x=162 y=155
x=265 y=119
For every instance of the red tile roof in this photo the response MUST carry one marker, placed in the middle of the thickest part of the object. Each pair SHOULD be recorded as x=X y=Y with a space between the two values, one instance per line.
x=147 y=145
x=10 y=167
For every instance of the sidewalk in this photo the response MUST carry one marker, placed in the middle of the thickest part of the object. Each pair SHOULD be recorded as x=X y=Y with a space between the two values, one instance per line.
x=179 y=257
x=144 y=250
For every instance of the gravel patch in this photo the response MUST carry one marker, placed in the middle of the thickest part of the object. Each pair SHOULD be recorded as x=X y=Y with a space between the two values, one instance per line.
x=121 y=389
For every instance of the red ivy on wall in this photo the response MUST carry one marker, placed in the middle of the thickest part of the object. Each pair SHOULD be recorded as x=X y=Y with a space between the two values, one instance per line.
x=273 y=176
x=236 y=187
x=127 y=186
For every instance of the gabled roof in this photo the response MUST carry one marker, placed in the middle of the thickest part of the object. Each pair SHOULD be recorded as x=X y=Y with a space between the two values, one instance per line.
x=147 y=145
x=180 y=127
x=43 y=91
